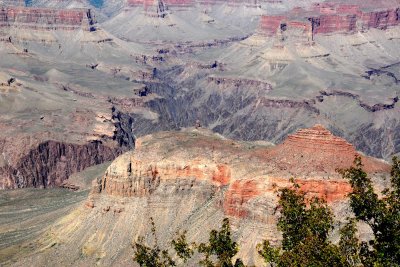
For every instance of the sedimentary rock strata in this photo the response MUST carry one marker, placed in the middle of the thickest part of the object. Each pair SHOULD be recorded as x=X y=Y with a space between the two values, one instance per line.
x=329 y=18
x=47 y=19
x=308 y=155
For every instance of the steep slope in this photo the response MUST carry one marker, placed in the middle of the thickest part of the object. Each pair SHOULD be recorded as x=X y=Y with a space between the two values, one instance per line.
x=190 y=180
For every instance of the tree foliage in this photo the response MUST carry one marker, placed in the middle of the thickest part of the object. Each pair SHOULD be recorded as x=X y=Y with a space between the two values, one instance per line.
x=305 y=229
x=219 y=251
x=147 y=256
x=382 y=214
x=220 y=246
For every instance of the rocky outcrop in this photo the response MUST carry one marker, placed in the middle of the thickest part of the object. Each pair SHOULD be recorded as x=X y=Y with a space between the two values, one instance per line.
x=333 y=24
x=381 y=19
x=123 y=129
x=286 y=103
x=368 y=107
x=317 y=150
x=176 y=160
x=124 y=178
x=47 y=19
x=226 y=83
x=52 y=162
x=329 y=18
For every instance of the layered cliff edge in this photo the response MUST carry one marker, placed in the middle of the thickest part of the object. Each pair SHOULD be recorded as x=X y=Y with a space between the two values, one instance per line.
x=192 y=179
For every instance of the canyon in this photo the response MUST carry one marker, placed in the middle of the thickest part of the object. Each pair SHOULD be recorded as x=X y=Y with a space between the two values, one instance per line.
x=186 y=111
x=240 y=78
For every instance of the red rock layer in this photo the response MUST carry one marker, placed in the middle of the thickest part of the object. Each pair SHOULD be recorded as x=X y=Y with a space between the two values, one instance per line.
x=185 y=3
x=189 y=161
x=319 y=139
x=317 y=150
x=381 y=19
x=130 y=177
x=334 y=24
x=49 y=19
x=271 y=24
x=238 y=194
x=327 y=18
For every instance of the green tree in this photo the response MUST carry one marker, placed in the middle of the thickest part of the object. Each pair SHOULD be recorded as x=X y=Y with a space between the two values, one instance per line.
x=182 y=248
x=147 y=256
x=382 y=214
x=305 y=229
x=220 y=246
x=349 y=244
x=219 y=251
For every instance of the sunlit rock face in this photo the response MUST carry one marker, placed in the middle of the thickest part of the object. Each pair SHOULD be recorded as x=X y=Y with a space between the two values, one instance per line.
x=330 y=18
x=192 y=179
x=312 y=155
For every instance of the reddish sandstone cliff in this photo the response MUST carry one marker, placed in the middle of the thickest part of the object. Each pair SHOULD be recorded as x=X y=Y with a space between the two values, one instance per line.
x=47 y=19
x=329 y=18
x=189 y=160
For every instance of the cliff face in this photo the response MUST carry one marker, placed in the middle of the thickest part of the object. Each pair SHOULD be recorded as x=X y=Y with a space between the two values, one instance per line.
x=334 y=24
x=309 y=155
x=51 y=162
x=47 y=19
x=46 y=159
x=330 y=18
x=381 y=19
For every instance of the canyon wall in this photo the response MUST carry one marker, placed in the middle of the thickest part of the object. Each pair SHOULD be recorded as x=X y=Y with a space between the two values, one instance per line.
x=190 y=158
x=52 y=162
x=329 y=18
x=47 y=19
x=47 y=160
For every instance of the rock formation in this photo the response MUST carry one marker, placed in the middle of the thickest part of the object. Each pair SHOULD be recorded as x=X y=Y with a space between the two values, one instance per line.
x=316 y=149
x=51 y=162
x=329 y=18
x=308 y=154
x=190 y=180
x=227 y=82
x=47 y=19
